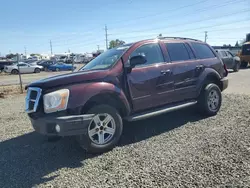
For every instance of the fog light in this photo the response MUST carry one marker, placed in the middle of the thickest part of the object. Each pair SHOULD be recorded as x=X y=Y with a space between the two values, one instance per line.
x=57 y=128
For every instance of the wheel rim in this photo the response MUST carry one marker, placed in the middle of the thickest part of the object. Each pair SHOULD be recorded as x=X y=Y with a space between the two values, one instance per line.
x=101 y=129
x=213 y=100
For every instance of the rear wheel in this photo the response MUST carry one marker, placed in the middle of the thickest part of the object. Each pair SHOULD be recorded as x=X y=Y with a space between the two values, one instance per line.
x=14 y=71
x=244 y=64
x=57 y=69
x=210 y=100
x=104 y=131
x=37 y=70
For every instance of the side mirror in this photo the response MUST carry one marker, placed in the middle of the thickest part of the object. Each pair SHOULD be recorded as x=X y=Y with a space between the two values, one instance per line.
x=137 y=60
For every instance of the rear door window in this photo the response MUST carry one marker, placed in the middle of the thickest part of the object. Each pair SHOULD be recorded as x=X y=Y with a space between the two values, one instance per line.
x=203 y=51
x=222 y=53
x=177 y=52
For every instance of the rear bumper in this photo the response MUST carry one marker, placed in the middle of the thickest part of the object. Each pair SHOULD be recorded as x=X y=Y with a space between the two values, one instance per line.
x=224 y=83
x=245 y=58
x=68 y=125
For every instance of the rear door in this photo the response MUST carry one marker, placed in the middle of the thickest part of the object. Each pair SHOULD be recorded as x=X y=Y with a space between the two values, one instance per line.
x=230 y=59
x=150 y=84
x=185 y=70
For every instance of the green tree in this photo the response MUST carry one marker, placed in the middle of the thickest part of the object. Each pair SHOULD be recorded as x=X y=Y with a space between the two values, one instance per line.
x=115 y=43
x=9 y=56
x=237 y=44
x=35 y=55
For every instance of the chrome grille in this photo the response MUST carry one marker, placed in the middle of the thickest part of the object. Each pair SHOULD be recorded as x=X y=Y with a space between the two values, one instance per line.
x=32 y=99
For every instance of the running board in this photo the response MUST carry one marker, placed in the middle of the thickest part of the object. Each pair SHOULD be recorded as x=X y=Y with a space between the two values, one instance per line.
x=163 y=110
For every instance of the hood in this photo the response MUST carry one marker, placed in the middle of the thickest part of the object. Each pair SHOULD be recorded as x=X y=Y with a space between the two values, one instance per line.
x=67 y=79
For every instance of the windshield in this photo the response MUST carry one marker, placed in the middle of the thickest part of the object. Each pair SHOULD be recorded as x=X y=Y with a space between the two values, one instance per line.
x=106 y=59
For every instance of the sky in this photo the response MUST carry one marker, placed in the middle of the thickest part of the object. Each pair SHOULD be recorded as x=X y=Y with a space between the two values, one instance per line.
x=78 y=25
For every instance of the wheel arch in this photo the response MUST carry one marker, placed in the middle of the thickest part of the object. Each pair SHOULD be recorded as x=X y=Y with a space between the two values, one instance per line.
x=84 y=96
x=107 y=98
x=211 y=76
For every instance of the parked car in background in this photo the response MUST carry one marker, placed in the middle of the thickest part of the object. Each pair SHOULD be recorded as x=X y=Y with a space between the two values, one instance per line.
x=45 y=64
x=61 y=67
x=245 y=54
x=130 y=82
x=3 y=64
x=36 y=64
x=23 y=67
x=231 y=61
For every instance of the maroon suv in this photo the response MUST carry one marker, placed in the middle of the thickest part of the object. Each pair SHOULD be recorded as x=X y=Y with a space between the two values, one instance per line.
x=130 y=82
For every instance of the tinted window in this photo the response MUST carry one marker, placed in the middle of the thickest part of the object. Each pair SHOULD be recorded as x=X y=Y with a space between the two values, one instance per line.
x=203 y=51
x=177 y=52
x=191 y=54
x=229 y=54
x=21 y=65
x=151 y=52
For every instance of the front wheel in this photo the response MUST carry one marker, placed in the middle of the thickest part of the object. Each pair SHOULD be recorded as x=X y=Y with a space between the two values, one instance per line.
x=210 y=100
x=104 y=131
x=57 y=69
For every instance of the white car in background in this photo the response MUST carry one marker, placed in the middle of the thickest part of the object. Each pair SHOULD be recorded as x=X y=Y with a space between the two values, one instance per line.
x=23 y=67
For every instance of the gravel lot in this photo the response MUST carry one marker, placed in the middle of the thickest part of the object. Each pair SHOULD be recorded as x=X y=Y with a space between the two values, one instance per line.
x=173 y=150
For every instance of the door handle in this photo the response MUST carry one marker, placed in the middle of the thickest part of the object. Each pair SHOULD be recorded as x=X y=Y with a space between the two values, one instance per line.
x=199 y=67
x=164 y=72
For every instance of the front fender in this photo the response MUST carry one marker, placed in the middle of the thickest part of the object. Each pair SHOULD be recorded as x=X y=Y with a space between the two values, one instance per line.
x=208 y=73
x=81 y=93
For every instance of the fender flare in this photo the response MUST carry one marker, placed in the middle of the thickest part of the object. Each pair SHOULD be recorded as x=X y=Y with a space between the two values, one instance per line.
x=80 y=94
x=208 y=74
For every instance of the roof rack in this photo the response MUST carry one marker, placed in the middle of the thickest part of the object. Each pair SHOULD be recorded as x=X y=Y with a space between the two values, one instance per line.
x=182 y=38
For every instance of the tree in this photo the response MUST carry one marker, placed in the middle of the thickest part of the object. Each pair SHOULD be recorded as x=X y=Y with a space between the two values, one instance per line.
x=237 y=44
x=10 y=56
x=35 y=55
x=115 y=43
x=160 y=35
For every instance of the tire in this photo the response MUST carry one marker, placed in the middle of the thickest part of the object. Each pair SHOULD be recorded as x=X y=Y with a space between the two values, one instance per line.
x=57 y=69
x=236 y=67
x=210 y=99
x=37 y=70
x=14 y=71
x=91 y=143
x=244 y=64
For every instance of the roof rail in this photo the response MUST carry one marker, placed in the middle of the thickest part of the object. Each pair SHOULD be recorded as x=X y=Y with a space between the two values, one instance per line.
x=182 y=38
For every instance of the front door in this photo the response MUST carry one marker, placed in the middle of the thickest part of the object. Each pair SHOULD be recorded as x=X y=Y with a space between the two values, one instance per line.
x=149 y=83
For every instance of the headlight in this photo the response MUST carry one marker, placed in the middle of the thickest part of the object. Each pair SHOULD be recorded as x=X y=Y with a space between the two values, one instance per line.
x=56 y=101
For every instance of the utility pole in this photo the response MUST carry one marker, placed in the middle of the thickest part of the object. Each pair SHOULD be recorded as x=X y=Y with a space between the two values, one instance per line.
x=51 y=47
x=19 y=74
x=25 y=52
x=205 y=36
x=106 y=36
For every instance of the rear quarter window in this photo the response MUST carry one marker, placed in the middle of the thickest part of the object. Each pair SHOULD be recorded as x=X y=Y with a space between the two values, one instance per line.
x=203 y=51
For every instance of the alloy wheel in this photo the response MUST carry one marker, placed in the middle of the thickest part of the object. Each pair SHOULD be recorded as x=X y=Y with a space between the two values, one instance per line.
x=213 y=100
x=101 y=129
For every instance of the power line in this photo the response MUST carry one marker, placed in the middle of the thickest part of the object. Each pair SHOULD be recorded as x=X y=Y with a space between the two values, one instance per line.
x=201 y=10
x=188 y=23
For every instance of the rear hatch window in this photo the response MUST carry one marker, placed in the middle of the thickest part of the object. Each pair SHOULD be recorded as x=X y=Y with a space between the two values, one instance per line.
x=246 y=49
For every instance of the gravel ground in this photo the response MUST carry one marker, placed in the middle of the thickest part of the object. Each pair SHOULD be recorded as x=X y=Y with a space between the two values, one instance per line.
x=173 y=150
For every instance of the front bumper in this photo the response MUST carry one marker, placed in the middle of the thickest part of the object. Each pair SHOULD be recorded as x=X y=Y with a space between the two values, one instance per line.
x=224 y=83
x=69 y=125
